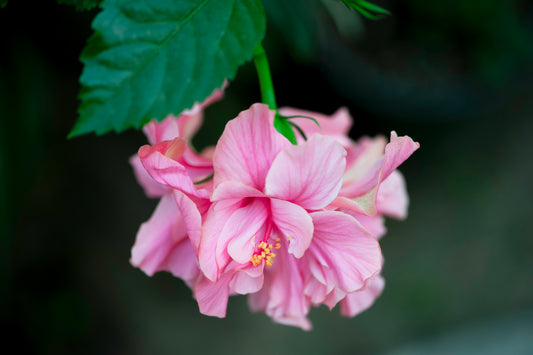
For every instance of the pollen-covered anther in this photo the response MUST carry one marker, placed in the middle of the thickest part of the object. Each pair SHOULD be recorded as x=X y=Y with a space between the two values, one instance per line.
x=264 y=252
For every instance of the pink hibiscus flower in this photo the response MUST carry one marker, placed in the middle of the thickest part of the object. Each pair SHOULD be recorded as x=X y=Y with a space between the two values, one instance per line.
x=270 y=231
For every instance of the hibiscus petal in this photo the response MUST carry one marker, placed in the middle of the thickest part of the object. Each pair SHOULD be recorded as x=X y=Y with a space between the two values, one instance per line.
x=216 y=217
x=375 y=225
x=157 y=237
x=294 y=223
x=160 y=162
x=181 y=262
x=228 y=232
x=191 y=216
x=358 y=206
x=365 y=190
x=316 y=291
x=234 y=190
x=199 y=166
x=151 y=187
x=247 y=148
x=244 y=225
x=212 y=297
x=309 y=175
x=243 y=283
x=189 y=123
x=359 y=301
x=165 y=130
x=362 y=156
x=282 y=296
x=392 y=199
x=346 y=248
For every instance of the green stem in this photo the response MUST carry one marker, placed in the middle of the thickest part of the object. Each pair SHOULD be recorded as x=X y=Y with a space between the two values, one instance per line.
x=265 y=79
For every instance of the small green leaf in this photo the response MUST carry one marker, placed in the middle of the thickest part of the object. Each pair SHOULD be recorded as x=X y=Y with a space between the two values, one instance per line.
x=148 y=58
x=372 y=7
x=367 y=9
x=284 y=127
x=81 y=5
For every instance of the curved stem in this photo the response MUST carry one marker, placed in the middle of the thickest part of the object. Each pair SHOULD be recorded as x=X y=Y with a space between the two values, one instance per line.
x=265 y=79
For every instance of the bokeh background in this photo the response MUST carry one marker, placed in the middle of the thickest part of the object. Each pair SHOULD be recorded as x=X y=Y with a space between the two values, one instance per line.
x=454 y=75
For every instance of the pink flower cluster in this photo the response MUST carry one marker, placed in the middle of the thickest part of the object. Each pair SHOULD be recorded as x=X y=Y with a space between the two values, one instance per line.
x=290 y=225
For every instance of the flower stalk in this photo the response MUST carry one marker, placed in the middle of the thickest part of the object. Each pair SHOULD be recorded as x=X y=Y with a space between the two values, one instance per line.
x=265 y=79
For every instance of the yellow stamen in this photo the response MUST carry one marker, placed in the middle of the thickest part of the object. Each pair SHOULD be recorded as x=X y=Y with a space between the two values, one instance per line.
x=264 y=252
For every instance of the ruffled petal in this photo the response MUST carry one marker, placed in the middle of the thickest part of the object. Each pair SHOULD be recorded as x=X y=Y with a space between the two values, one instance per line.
x=319 y=282
x=158 y=237
x=228 y=232
x=282 y=296
x=161 y=163
x=247 y=148
x=365 y=190
x=212 y=297
x=165 y=130
x=294 y=223
x=245 y=226
x=234 y=190
x=374 y=225
x=362 y=156
x=309 y=175
x=358 y=206
x=181 y=262
x=244 y=282
x=344 y=247
x=190 y=214
x=359 y=301
x=151 y=187
x=392 y=199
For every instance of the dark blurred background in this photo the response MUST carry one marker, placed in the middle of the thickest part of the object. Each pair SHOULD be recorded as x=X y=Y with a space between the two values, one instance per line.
x=457 y=76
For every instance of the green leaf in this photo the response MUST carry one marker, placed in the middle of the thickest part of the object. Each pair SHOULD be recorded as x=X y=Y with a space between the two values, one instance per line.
x=3 y=3
x=367 y=9
x=81 y=5
x=148 y=58
x=284 y=127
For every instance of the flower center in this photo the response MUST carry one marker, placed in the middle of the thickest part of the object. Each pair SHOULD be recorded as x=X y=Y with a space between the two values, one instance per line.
x=264 y=252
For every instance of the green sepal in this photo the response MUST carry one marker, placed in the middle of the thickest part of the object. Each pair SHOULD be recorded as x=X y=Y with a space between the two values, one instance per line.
x=284 y=128
x=298 y=129
x=204 y=180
